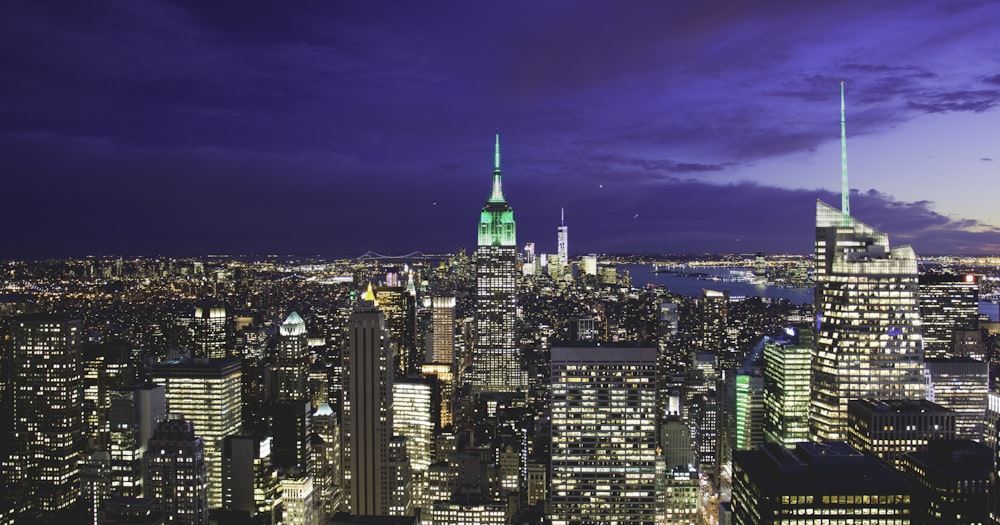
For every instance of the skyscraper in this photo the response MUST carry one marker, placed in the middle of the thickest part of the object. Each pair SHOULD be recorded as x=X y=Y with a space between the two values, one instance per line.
x=399 y=308
x=947 y=303
x=604 y=442
x=210 y=331
x=786 y=387
x=175 y=472
x=207 y=393
x=367 y=411
x=868 y=331
x=291 y=425
x=48 y=425
x=292 y=365
x=135 y=411
x=562 y=234
x=496 y=361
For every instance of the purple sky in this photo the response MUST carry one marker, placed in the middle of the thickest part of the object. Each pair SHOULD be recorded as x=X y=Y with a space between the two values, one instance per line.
x=332 y=128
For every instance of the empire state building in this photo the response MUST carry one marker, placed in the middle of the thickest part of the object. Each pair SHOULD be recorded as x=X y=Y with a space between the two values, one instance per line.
x=496 y=364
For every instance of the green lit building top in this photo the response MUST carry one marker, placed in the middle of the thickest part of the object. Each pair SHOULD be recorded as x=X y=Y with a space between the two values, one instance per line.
x=496 y=222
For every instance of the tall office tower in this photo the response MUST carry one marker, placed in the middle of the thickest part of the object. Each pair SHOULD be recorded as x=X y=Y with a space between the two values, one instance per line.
x=563 y=238
x=496 y=361
x=786 y=387
x=817 y=483
x=327 y=474
x=604 y=433
x=399 y=308
x=135 y=411
x=367 y=411
x=207 y=393
x=948 y=303
x=249 y=480
x=890 y=429
x=954 y=478
x=961 y=384
x=678 y=495
x=714 y=307
x=414 y=416
x=588 y=265
x=297 y=496
x=48 y=428
x=678 y=449
x=175 y=472
x=210 y=331
x=443 y=324
x=868 y=331
x=748 y=406
x=291 y=368
x=106 y=367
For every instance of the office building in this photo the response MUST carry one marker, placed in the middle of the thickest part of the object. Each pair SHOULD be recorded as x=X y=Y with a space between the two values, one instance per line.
x=399 y=308
x=297 y=496
x=122 y=510
x=210 y=331
x=891 y=428
x=496 y=358
x=327 y=473
x=562 y=239
x=817 y=483
x=46 y=390
x=953 y=477
x=961 y=384
x=747 y=408
x=947 y=303
x=786 y=387
x=291 y=368
x=367 y=411
x=604 y=435
x=207 y=393
x=678 y=495
x=135 y=411
x=249 y=481
x=466 y=513
x=414 y=411
x=867 y=317
x=176 y=472
x=106 y=367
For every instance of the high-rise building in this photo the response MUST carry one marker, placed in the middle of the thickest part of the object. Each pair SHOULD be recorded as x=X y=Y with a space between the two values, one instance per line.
x=947 y=303
x=748 y=407
x=604 y=435
x=563 y=238
x=890 y=429
x=48 y=427
x=713 y=315
x=414 y=411
x=297 y=496
x=135 y=411
x=367 y=411
x=291 y=368
x=210 y=332
x=207 y=393
x=496 y=359
x=249 y=480
x=786 y=387
x=176 y=472
x=327 y=473
x=961 y=384
x=678 y=495
x=106 y=367
x=443 y=324
x=868 y=331
x=399 y=309
x=817 y=483
x=954 y=480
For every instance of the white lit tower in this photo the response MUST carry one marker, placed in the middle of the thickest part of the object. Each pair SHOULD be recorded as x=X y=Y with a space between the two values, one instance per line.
x=868 y=330
x=496 y=360
x=563 y=238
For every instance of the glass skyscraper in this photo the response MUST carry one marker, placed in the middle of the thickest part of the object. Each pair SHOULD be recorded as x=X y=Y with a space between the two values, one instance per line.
x=496 y=360
x=868 y=332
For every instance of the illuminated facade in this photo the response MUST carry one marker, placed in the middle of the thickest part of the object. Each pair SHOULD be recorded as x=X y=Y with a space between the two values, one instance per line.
x=443 y=324
x=678 y=492
x=890 y=429
x=604 y=436
x=961 y=384
x=210 y=332
x=398 y=307
x=786 y=388
x=496 y=359
x=297 y=501
x=207 y=393
x=453 y=513
x=817 y=484
x=367 y=412
x=175 y=472
x=413 y=410
x=249 y=480
x=106 y=367
x=868 y=341
x=134 y=413
x=947 y=303
x=292 y=364
x=48 y=426
x=748 y=412
x=562 y=235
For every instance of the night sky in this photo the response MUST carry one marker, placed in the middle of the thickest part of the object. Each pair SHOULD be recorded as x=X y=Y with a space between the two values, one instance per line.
x=335 y=127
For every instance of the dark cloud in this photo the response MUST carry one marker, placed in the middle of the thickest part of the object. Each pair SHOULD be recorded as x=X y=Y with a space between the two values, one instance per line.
x=974 y=101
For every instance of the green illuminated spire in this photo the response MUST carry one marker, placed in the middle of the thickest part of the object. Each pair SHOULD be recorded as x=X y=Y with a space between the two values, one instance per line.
x=497 y=195
x=845 y=192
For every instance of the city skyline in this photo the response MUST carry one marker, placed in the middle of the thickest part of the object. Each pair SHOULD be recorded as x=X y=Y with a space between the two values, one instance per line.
x=165 y=128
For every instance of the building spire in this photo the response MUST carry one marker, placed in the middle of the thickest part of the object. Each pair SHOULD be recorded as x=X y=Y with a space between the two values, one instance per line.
x=845 y=191
x=497 y=195
x=562 y=216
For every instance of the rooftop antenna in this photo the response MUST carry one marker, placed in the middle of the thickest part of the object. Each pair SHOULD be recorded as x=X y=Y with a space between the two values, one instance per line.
x=845 y=192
